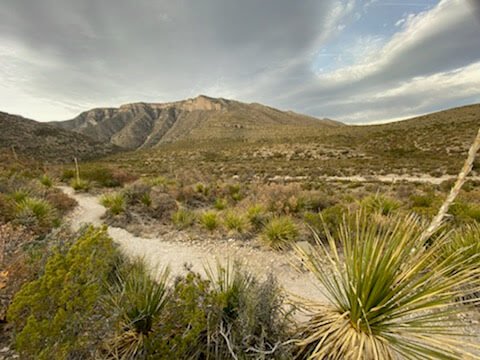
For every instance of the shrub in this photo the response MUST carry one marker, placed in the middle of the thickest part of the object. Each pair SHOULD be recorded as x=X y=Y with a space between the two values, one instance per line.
x=62 y=202
x=279 y=232
x=35 y=213
x=465 y=212
x=183 y=218
x=138 y=301
x=80 y=185
x=387 y=297
x=209 y=220
x=115 y=203
x=55 y=316
x=46 y=181
x=220 y=204
x=257 y=216
x=235 y=222
x=379 y=204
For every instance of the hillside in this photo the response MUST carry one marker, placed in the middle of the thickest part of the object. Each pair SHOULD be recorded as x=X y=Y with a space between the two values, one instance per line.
x=142 y=125
x=435 y=144
x=45 y=142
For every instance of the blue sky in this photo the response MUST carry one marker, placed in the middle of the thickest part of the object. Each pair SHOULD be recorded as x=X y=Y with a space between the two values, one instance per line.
x=357 y=61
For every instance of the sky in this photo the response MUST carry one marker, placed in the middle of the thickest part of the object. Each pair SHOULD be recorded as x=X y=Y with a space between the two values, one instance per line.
x=357 y=61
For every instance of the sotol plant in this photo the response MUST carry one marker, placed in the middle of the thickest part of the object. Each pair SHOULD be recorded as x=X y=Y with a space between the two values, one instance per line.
x=388 y=297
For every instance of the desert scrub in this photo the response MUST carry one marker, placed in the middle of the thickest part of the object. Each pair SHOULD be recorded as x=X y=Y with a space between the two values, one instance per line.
x=388 y=297
x=279 y=232
x=35 y=213
x=379 y=204
x=56 y=316
x=80 y=185
x=257 y=216
x=209 y=220
x=235 y=222
x=137 y=302
x=183 y=218
x=220 y=204
x=115 y=203
x=46 y=181
x=229 y=315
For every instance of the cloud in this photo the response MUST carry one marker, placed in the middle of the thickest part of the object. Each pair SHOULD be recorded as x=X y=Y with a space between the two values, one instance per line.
x=60 y=58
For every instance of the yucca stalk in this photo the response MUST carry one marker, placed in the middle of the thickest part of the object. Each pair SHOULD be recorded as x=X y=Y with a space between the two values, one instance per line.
x=388 y=298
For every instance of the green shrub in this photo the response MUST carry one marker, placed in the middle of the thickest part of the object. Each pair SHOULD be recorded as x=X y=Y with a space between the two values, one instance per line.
x=209 y=220
x=55 y=316
x=137 y=302
x=465 y=212
x=46 y=181
x=220 y=204
x=115 y=203
x=235 y=222
x=387 y=296
x=183 y=218
x=80 y=185
x=257 y=216
x=33 y=212
x=20 y=195
x=279 y=232
x=379 y=204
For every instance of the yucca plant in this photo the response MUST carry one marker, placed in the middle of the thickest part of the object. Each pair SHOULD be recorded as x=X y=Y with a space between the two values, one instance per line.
x=80 y=185
x=183 y=218
x=279 y=232
x=35 y=212
x=387 y=296
x=138 y=300
x=46 y=181
x=209 y=220
x=235 y=222
x=115 y=203
x=257 y=215
x=380 y=204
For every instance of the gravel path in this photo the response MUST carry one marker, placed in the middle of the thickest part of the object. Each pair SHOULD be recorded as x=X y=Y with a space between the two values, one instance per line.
x=158 y=253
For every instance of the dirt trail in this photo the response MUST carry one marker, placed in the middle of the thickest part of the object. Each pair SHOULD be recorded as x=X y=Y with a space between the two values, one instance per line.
x=158 y=253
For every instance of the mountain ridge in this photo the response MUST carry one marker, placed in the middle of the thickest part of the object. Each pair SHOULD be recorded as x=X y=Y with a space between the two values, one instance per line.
x=144 y=125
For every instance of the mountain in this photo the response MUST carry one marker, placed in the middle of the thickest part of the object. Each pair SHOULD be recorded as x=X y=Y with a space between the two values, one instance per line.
x=144 y=125
x=47 y=142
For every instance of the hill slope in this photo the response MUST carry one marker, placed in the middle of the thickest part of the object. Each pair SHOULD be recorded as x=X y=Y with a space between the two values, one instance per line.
x=142 y=125
x=46 y=142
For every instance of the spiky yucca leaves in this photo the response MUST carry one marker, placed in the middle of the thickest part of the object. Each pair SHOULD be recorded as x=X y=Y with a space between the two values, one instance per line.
x=138 y=301
x=115 y=202
x=388 y=297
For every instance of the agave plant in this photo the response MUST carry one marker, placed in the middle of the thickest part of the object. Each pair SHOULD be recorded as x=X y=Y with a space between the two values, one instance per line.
x=389 y=297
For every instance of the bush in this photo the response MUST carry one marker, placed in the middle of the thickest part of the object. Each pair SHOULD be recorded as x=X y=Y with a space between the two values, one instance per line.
x=115 y=203
x=465 y=212
x=279 y=232
x=35 y=213
x=137 y=302
x=235 y=222
x=209 y=220
x=46 y=181
x=388 y=297
x=55 y=316
x=80 y=185
x=62 y=202
x=183 y=218
x=220 y=204
x=257 y=216
x=379 y=204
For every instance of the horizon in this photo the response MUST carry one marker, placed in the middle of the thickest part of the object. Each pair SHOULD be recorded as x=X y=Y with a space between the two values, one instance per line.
x=357 y=62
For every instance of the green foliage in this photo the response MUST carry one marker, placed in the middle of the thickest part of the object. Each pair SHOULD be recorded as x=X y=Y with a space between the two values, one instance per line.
x=379 y=204
x=235 y=222
x=35 y=213
x=257 y=216
x=209 y=220
x=183 y=218
x=388 y=297
x=54 y=315
x=46 y=181
x=220 y=204
x=279 y=232
x=115 y=203
x=235 y=192
x=138 y=301
x=20 y=194
x=465 y=212
x=80 y=184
